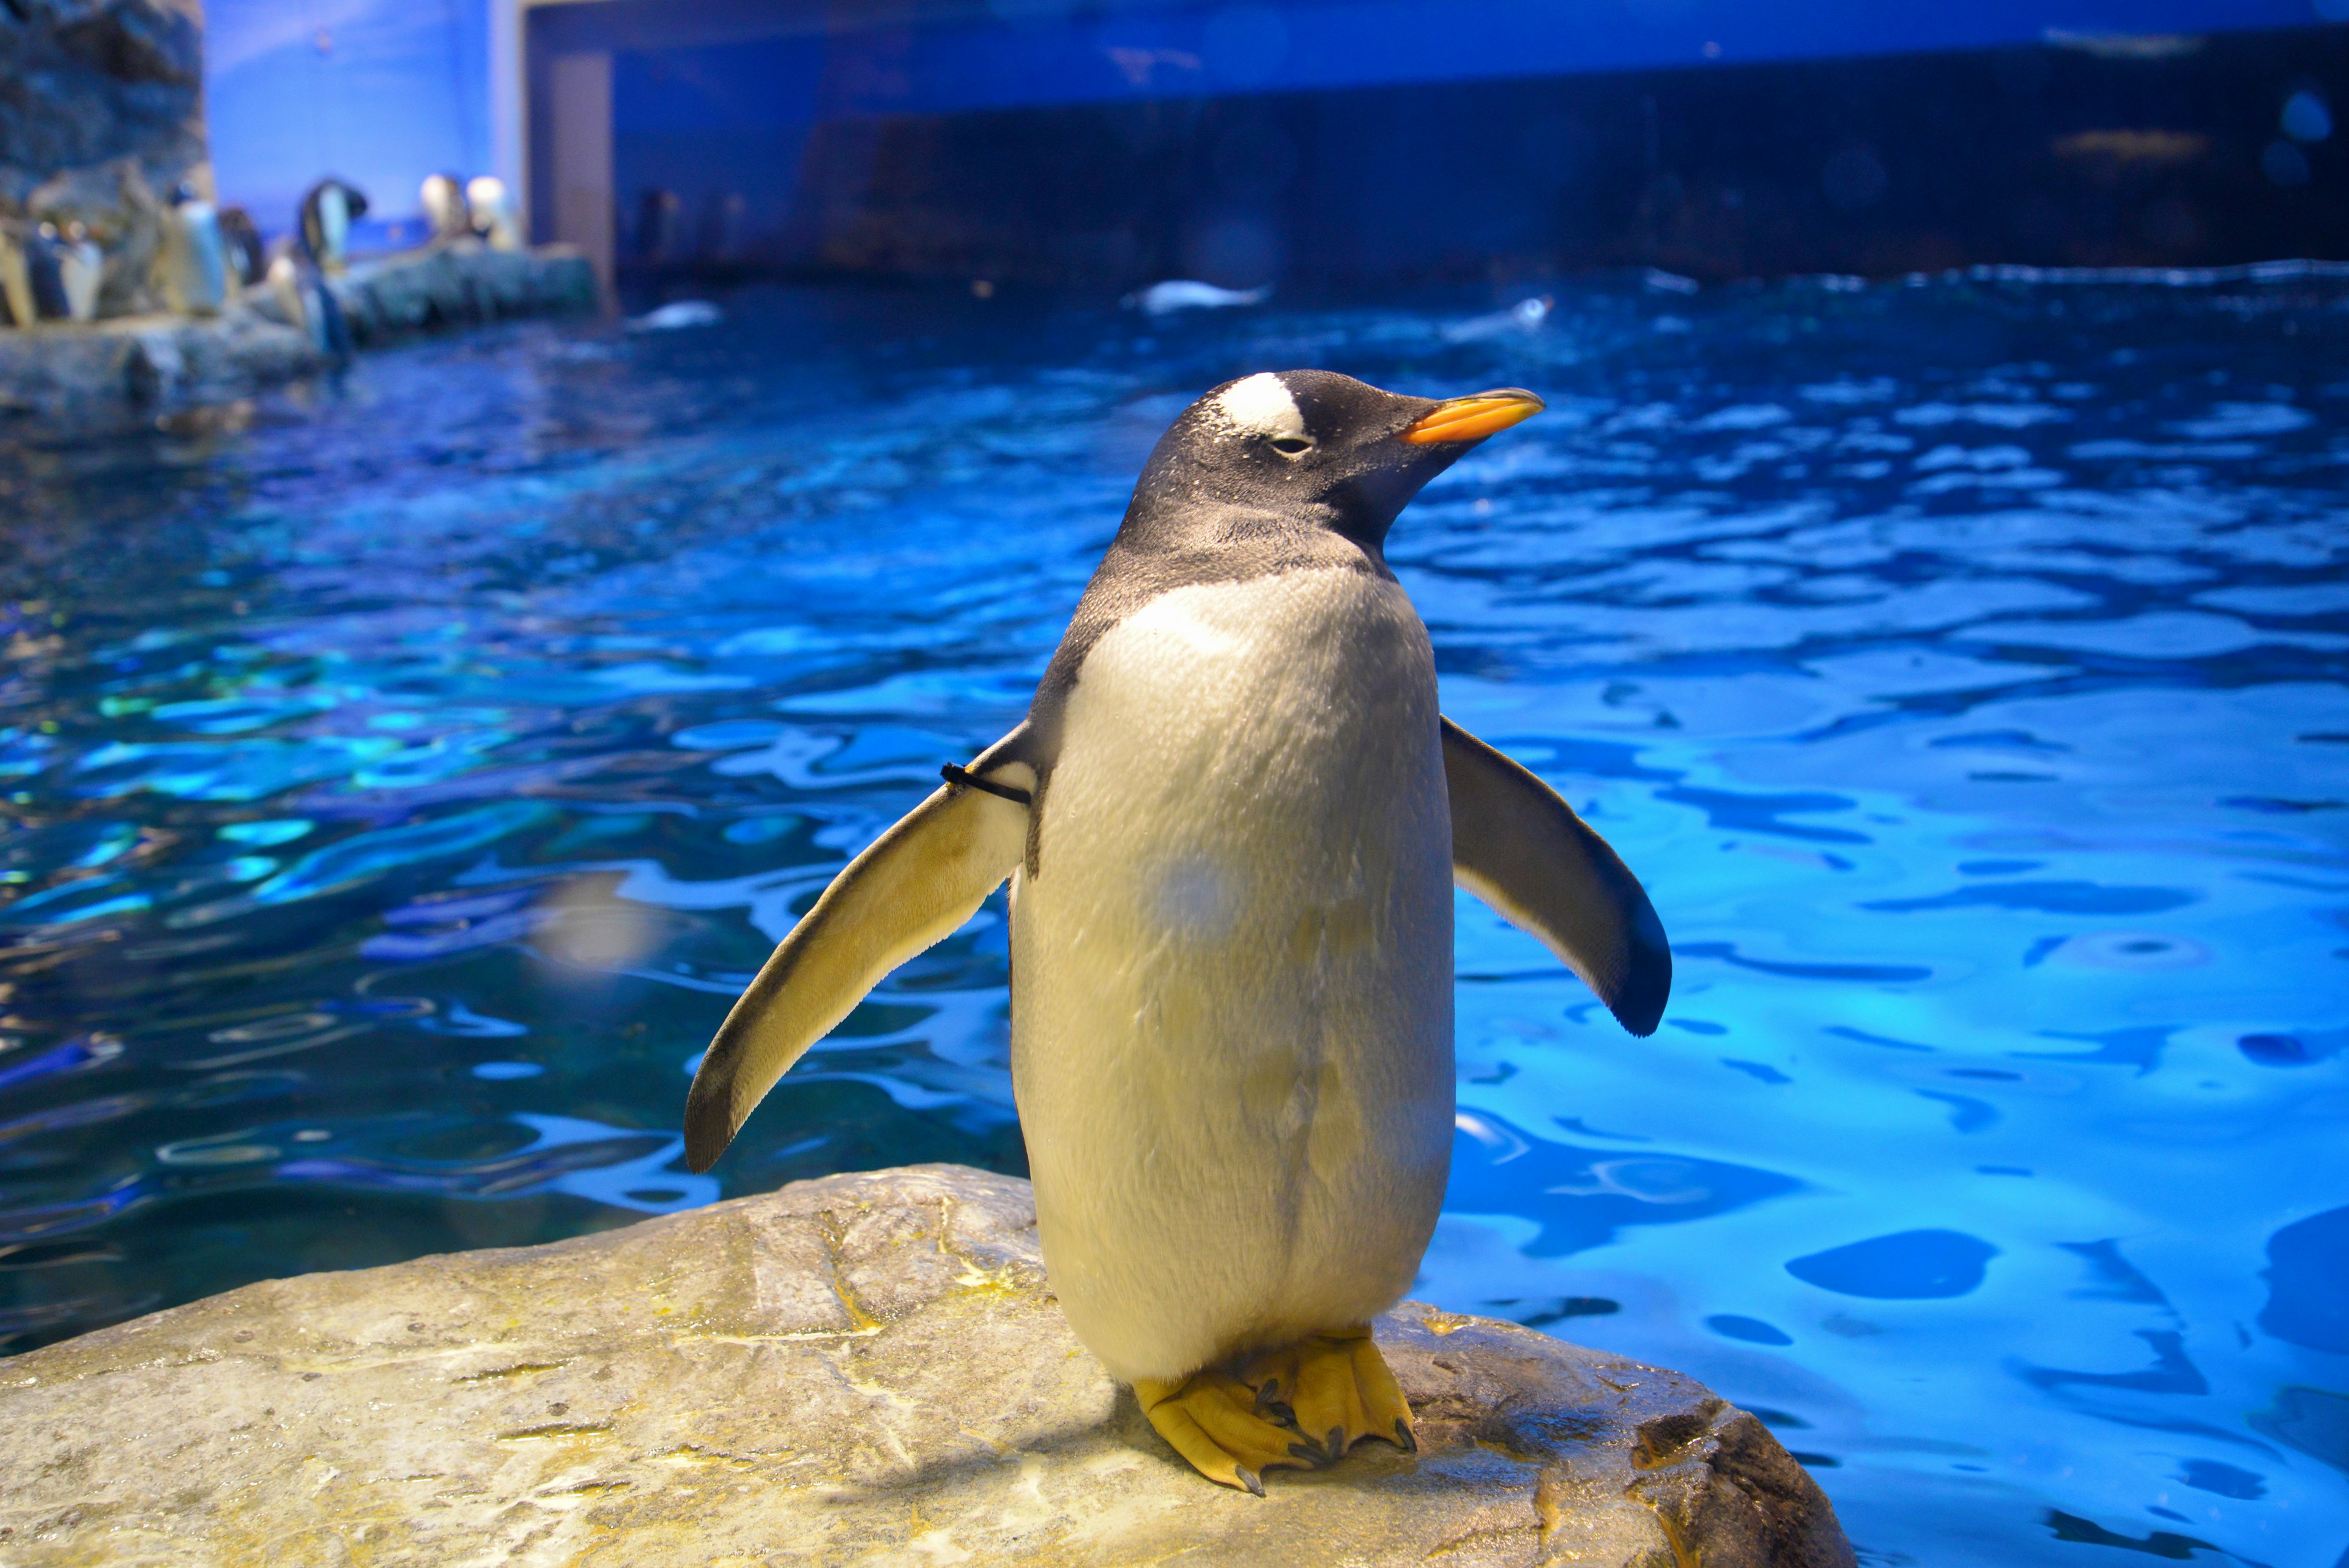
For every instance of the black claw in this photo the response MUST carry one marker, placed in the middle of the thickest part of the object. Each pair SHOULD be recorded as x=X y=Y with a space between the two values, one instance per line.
x=1335 y=1443
x=1268 y=1404
x=1403 y=1440
x=1250 y=1479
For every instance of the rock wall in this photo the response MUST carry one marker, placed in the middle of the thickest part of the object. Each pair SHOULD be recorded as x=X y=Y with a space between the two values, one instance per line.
x=63 y=379
x=101 y=116
x=865 y=1368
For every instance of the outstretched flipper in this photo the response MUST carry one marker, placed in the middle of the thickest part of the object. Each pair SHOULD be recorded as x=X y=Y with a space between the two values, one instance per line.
x=911 y=889
x=1521 y=849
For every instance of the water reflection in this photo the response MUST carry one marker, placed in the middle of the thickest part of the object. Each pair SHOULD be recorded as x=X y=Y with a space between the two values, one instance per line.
x=402 y=783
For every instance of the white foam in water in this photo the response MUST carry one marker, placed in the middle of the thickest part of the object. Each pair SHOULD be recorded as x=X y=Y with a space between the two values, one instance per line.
x=1189 y=293
x=678 y=315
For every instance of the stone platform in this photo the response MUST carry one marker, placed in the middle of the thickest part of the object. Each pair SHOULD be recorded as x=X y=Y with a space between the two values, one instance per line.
x=61 y=378
x=863 y=1369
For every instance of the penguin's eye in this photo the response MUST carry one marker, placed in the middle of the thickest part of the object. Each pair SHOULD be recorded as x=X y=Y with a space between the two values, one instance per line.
x=1292 y=446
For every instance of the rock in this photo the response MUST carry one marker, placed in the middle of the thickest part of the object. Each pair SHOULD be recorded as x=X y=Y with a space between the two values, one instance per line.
x=62 y=378
x=100 y=117
x=463 y=283
x=865 y=1368
x=114 y=201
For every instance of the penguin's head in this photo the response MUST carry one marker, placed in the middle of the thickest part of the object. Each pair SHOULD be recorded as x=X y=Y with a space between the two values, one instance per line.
x=1321 y=449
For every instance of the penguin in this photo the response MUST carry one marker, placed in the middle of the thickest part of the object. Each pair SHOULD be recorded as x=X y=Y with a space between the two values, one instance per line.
x=443 y=200
x=81 y=272
x=307 y=301
x=44 y=275
x=240 y=246
x=490 y=213
x=16 y=278
x=194 y=263
x=1232 y=820
x=323 y=221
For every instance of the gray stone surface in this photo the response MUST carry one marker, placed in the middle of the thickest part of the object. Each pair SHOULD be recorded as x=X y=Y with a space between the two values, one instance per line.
x=863 y=1369
x=464 y=284
x=62 y=378
x=100 y=117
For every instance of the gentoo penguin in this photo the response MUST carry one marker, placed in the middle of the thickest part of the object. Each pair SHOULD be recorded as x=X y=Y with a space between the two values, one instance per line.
x=442 y=198
x=16 y=279
x=44 y=275
x=196 y=264
x=305 y=300
x=1232 y=820
x=323 y=221
x=490 y=213
x=81 y=272
x=248 y=261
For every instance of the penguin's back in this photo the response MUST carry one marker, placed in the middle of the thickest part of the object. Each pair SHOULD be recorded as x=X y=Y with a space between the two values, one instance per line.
x=1232 y=969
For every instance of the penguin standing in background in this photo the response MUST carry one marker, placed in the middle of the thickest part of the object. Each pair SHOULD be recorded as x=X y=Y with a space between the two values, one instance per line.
x=1232 y=820
x=491 y=214
x=194 y=262
x=241 y=248
x=81 y=272
x=44 y=275
x=443 y=200
x=15 y=279
x=323 y=221
x=305 y=300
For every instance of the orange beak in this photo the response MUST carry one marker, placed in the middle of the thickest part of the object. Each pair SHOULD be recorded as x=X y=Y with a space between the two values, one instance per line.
x=1475 y=418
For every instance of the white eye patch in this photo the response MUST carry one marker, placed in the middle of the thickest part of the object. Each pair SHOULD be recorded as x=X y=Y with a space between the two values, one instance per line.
x=1261 y=406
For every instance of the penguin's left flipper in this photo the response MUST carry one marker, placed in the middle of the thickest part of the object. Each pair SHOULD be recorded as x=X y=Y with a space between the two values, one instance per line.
x=911 y=889
x=1520 y=848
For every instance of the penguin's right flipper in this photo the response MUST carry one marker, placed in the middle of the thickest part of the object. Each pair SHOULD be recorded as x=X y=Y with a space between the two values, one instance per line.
x=911 y=889
x=1520 y=848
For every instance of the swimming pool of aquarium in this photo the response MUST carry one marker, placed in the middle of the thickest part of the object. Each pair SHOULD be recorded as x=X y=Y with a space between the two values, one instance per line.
x=401 y=777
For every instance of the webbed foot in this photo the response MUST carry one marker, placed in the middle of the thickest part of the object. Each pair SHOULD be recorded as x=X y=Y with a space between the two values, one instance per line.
x=1335 y=1386
x=1220 y=1424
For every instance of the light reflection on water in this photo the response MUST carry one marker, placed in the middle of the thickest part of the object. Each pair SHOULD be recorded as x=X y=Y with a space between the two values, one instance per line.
x=403 y=785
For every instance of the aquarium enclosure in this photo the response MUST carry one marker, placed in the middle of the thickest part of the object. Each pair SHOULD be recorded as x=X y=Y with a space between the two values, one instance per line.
x=1931 y=572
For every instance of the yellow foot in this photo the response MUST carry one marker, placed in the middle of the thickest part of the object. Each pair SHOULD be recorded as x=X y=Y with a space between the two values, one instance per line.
x=1216 y=1422
x=1336 y=1387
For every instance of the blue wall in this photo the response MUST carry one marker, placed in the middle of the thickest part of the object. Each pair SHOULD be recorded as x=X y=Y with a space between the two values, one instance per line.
x=381 y=92
x=1033 y=52
x=385 y=92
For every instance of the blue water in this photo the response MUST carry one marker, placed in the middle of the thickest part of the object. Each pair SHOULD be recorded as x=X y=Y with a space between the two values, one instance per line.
x=402 y=775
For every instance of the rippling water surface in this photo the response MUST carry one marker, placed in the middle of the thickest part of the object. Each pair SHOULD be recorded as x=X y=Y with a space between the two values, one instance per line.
x=398 y=786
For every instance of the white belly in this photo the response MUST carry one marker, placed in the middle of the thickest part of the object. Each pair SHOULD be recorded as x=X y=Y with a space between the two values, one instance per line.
x=1231 y=980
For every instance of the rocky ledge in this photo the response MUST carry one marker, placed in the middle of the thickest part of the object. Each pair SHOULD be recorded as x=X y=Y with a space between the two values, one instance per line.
x=863 y=1369
x=69 y=378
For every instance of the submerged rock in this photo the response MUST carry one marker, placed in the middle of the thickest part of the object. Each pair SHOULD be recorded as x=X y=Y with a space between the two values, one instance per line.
x=861 y=1369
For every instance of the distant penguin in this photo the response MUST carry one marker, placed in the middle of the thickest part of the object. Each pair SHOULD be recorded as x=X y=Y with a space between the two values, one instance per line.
x=81 y=270
x=195 y=262
x=491 y=213
x=445 y=215
x=240 y=247
x=1232 y=821
x=46 y=273
x=305 y=299
x=15 y=279
x=324 y=223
